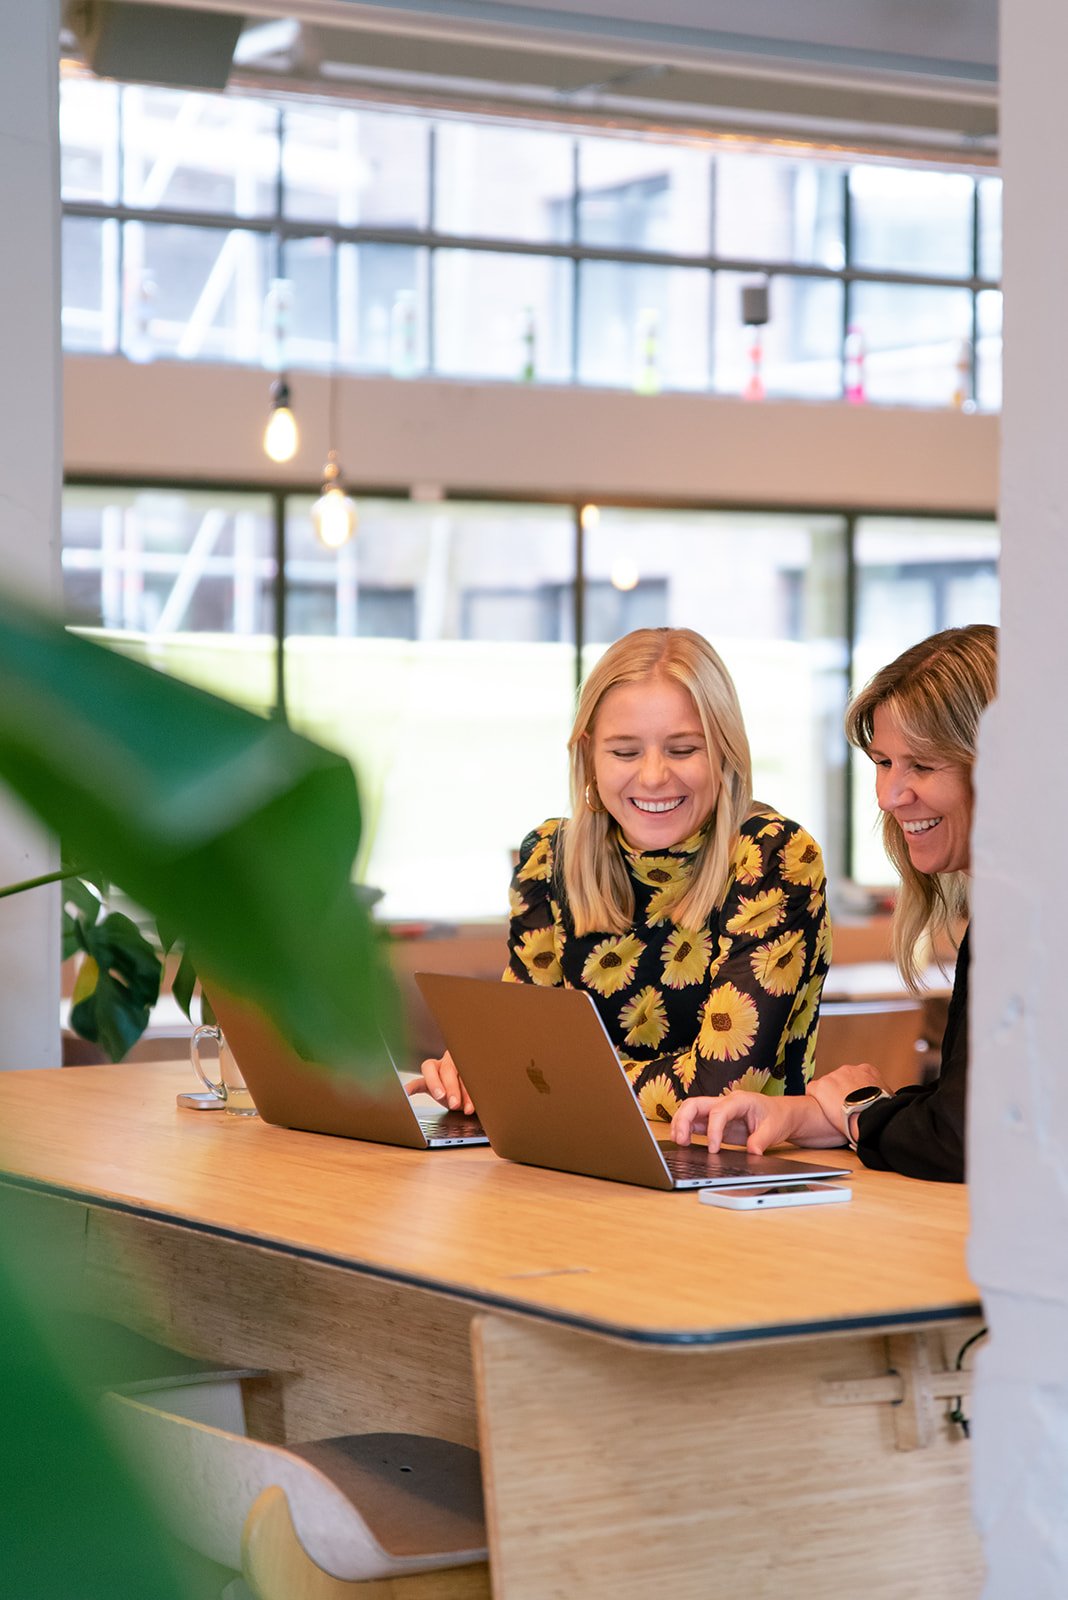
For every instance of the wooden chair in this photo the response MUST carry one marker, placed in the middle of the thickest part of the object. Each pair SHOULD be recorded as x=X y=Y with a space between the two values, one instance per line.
x=888 y=1033
x=371 y=1515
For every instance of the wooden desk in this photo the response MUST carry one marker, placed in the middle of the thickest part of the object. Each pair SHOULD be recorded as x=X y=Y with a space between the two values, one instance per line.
x=659 y=1388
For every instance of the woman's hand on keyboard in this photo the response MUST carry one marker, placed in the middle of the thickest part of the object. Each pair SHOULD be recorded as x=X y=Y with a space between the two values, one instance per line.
x=755 y=1120
x=443 y=1083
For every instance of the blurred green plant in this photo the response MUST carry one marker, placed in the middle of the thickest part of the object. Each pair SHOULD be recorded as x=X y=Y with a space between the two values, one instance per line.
x=242 y=834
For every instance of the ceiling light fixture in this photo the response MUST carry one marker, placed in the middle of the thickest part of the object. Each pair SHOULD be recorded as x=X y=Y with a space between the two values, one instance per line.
x=333 y=515
x=281 y=438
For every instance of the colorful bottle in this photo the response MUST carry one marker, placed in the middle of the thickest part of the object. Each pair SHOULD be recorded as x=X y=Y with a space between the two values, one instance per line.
x=853 y=389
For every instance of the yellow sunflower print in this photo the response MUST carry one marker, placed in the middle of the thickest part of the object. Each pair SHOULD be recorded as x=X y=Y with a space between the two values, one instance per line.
x=754 y=1079
x=778 y=966
x=644 y=1018
x=758 y=914
x=661 y=903
x=770 y=829
x=610 y=965
x=658 y=1099
x=685 y=957
x=537 y=952
x=728 y=1024
x=517 y=906
x=657 y=871
x=539 y=863
x=808 y=1066
x=686 y=1067
x=801 y=861
x=748 y=861
x=804 y=1012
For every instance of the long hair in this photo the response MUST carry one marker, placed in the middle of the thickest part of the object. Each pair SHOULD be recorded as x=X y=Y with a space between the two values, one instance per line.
x=936 y=692
x=594 y=875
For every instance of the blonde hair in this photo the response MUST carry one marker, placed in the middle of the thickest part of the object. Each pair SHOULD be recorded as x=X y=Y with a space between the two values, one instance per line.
x=594 y=876
x=936 y=693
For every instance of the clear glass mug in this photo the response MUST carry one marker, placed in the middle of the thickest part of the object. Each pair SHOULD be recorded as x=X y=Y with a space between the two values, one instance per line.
x=230 y=1088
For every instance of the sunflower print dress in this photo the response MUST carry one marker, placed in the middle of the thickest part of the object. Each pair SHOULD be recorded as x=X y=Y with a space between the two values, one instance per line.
x=692 y=1011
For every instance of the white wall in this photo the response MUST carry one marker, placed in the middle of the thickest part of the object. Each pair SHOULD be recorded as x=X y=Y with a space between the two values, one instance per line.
x=30 y=468
x=207 y=424
x=1019 y=1089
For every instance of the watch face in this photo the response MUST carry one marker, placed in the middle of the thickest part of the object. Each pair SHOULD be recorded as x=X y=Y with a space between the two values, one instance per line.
x=861 y=1097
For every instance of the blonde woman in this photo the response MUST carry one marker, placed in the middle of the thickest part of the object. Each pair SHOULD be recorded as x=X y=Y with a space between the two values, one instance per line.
x=918 y=721
x=696 y=918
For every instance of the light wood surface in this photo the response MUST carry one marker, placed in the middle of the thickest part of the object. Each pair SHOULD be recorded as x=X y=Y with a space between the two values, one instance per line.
x=740 y=1482
x=669 y=1398
x=606 y=1256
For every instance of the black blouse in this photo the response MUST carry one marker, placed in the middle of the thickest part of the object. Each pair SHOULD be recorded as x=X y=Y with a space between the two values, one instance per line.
x=692 y=1011
x=920 y=1130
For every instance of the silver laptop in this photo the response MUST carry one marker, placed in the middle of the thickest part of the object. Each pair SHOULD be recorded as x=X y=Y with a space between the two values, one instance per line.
x=551 y=1091
x=295 y=1093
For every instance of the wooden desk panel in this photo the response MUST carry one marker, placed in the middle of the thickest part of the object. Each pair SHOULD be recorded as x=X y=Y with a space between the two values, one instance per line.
x=629 y=1262
x=708 y=1453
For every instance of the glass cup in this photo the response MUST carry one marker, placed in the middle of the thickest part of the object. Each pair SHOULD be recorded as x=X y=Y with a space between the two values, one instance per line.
x=230 y=1088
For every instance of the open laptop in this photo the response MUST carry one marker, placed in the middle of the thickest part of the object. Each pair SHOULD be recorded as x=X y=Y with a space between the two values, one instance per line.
x=295 y=1093
x=552 y=1092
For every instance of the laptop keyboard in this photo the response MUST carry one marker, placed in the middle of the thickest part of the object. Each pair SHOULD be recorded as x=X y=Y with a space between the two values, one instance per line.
x=696 y=1161
x=450 y=1125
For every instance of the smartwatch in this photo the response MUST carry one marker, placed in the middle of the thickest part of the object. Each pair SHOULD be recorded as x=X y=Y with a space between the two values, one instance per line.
x=856 y=1101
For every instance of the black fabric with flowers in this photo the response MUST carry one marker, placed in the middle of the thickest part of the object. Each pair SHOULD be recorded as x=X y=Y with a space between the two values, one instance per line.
x=732 y=1005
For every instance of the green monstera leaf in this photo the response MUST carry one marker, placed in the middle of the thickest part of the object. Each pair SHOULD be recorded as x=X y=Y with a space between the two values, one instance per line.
x=241 y=835
x=226 y=826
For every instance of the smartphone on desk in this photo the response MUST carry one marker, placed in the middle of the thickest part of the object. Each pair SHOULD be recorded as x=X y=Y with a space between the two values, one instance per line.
x=194 y=1100
x=779 y=1194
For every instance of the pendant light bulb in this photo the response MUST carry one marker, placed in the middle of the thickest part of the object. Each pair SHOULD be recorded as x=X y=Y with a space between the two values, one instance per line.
x=333 y=514
x=280 y=437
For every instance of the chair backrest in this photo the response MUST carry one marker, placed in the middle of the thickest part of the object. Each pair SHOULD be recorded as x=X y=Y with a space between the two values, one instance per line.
x=208 y=1480
x=887 y=1033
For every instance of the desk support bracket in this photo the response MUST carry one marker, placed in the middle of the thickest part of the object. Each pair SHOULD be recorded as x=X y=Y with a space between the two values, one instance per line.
x=920 y=1392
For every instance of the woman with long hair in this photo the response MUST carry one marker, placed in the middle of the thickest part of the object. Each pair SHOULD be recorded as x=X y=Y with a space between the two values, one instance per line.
x=695 y=917
x=918 y=721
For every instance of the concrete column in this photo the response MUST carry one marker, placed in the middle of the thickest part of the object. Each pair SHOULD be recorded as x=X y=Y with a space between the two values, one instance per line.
x=1019 y=1086
x=31 y=458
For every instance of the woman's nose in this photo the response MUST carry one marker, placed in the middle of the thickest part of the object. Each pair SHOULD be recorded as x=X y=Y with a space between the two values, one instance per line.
x=653 y=767
x=895 y=790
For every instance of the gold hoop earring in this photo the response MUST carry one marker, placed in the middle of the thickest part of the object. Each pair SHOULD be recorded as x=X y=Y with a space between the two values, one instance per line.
x=598 y=809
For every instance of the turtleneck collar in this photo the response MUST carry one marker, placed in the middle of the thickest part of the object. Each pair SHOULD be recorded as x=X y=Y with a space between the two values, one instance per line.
x=685 y=847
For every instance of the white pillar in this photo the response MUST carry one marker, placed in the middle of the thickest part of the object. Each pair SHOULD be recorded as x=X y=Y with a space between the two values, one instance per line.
x=1019 y=1085
x=30 y=475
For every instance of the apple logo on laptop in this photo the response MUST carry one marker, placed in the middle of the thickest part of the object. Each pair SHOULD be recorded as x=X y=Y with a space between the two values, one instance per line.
x=537 y=1078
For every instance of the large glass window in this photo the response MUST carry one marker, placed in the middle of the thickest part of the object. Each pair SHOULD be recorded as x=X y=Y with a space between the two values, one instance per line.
x=351 y=167
x=914 y=578
x=908 y=220
x=643 y=327
x=769 y=590
x=501 y=316
x=434 y=651
x=913 y=339
x=503 y=183
x=647 y=195
x=438 y=649
x=797 y=352
x=770 y=208
x=481 y=248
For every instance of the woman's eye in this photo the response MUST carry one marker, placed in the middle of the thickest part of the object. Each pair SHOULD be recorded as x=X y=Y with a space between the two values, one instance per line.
x=683 y=750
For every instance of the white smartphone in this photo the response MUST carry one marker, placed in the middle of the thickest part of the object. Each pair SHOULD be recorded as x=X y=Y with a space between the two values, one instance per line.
x=779 y=1194
x=195 y=1100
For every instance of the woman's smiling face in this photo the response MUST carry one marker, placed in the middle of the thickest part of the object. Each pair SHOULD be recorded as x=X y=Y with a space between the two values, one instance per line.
x=651 y=763
x=930 y=800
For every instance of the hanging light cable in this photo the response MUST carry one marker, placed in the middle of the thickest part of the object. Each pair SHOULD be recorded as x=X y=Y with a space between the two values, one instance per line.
x=281 y=439
x=333 y=515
